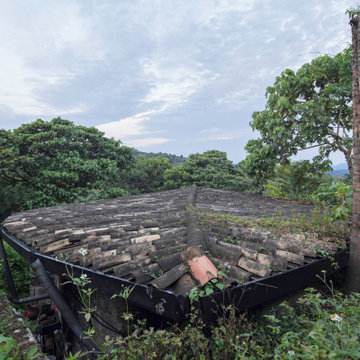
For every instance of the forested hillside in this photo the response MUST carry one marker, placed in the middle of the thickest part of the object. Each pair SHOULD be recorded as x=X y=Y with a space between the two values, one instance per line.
x=174 y=159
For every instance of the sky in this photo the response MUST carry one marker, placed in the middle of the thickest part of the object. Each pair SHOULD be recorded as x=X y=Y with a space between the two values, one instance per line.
x=174 y=76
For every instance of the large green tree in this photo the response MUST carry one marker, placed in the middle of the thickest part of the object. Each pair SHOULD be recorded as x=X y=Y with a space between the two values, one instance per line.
x=309 y=108
x=147 y=175
x=53 y=162
x=211 y=169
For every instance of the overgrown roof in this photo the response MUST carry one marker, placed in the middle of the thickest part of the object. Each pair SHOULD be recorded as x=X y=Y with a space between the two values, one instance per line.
x=149 y=238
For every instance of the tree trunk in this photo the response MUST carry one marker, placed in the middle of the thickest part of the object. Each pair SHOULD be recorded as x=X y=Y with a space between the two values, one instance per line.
x=349 y=162
x=353 y=273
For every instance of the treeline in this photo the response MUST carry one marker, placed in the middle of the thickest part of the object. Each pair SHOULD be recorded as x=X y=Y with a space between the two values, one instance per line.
x=174 y=159
x=56 y=162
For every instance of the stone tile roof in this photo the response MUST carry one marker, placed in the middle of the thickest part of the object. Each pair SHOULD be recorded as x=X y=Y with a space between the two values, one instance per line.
x=153 y=239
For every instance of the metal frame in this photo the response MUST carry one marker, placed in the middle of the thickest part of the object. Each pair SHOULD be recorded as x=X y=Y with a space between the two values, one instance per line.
x=161 y=302
x=10 y=281
x=177 y=307
x=263 y=290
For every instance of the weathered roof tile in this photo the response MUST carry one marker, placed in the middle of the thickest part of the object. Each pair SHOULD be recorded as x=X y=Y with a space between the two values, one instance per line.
x=145 y=239
x=201 y=268
x=254 y=267
x=149 y=237
x=169 y=277
x=147 y=273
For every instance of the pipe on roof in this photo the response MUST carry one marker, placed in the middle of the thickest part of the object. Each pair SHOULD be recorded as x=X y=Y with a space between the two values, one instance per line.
x=63 y=307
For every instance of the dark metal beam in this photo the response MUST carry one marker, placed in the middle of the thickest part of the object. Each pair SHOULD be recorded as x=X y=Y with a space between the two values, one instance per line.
x=62 y=305
x=161 y=302
x=254 y=293
x=10 y=281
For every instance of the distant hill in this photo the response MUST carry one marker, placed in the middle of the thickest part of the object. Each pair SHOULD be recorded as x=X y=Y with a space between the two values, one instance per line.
x=174 y=159
x=339 y=170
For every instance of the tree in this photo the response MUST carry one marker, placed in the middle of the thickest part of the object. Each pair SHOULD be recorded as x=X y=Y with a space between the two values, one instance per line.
x=310 y=108
x=297 y=180
x=55 y=162
x=353 y=273
x=211 y=169
x=147 y=175
x=174 y=160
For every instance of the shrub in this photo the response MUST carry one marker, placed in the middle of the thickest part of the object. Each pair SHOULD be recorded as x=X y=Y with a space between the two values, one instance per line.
x=20 y=271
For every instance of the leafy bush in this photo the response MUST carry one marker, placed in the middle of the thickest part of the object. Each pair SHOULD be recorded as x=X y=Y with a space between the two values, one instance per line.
x=339 y=196
x=20 y=271
x=296 y=180
x=9 y=350
x=317 y=327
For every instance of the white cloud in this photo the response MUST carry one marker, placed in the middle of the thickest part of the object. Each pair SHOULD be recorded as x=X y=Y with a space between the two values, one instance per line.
x=171 y=82
x=221 y=134
x=170 y=86
x=237 y=99
x=19 y=86
x=144 y=142
x=129 y=129
x=167 y=65
x=33 y=44
x=212 y=12
x=269 y=40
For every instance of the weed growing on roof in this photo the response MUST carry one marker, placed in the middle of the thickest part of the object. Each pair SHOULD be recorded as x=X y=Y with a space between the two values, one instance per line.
x=85 y=292
x=213 y=285
x=318 y=225
x=124 y=294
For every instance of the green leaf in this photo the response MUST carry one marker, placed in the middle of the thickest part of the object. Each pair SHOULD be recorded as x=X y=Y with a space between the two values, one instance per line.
x=32 y=353
x=7 y=345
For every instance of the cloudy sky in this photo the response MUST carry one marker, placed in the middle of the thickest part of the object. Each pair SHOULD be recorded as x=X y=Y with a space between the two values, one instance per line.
x=176 y=76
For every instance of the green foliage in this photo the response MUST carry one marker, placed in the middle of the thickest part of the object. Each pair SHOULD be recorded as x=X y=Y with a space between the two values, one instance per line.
x=10 y=348
x=318 y=327
x=174 y=160
x=7 y=345
x=55 y=162
x=352 y=12
x=307 y=108
x=11 y=198
x=210 y=287
x=339 y=196
x=297 y=180
x=210 y=169
x=327 y=328
x=10 y=351
x=147 y=175
x=124 y=294
x=302 y=180
x=20 y=271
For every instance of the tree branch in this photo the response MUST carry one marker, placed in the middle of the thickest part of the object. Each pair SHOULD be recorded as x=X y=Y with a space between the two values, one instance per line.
x=313 y=146
x=338 y=123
